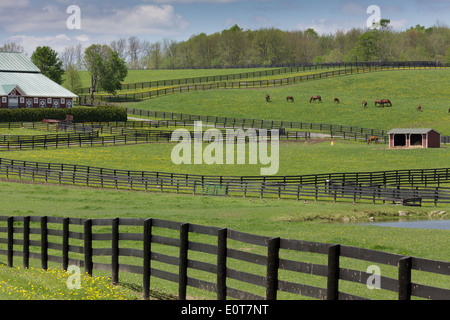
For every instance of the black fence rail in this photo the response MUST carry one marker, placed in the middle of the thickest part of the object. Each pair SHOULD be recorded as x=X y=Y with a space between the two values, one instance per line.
x=270 y=72
x=82 y=140
x=230 y=122
x=210 y=258
x=138 y=96
x=373 y=187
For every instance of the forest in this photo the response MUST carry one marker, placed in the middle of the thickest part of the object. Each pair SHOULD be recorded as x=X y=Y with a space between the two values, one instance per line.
x=274 y=47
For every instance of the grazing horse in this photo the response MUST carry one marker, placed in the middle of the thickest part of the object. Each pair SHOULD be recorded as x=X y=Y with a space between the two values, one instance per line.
x=336 y=100
x=364 y=103
x=315 y=99
x=290 y=99
x=267 y=98
x=387 y=102
x=419 y=108
x=372 y=139
x=379 y=102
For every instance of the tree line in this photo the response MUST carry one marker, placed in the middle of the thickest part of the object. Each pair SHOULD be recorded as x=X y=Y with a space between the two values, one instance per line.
x=108 y=64
x=271 y=46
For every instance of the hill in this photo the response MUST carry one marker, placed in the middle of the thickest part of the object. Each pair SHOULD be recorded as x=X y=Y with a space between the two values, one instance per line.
x=405 y=88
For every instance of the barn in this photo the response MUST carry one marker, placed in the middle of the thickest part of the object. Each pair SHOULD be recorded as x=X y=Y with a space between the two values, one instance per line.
x=22 y=85
x=426 y=138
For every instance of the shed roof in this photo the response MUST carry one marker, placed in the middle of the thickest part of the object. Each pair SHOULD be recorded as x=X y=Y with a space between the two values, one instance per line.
x=410 y=131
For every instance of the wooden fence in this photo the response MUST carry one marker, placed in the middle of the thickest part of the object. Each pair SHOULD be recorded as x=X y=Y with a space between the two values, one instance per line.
x=230 y=122
x=85 y=99
x=272 y=72
x=406 y=187
x=205 y=258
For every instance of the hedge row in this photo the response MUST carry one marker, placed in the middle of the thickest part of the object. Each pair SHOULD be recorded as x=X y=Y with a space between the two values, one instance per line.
x=97 y=114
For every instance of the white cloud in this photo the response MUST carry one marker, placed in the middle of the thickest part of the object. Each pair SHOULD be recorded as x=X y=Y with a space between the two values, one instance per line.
x=138 y=20
x=399 y=24
x=324 y=26
x=57 y=43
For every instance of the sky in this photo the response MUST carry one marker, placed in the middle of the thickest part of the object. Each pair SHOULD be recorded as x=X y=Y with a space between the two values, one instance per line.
x=33 y=23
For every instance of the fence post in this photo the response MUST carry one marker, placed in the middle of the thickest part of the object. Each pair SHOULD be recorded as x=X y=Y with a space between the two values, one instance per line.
x=65 y=244
x=273 y=248
x=222 y=264
x=147 y=242
x=44 y=243
x=88 y=246
x=26 y=241
x=404 y=278
x=333 y=272
x=115 y=251
x=183 y=262
x=10 y=241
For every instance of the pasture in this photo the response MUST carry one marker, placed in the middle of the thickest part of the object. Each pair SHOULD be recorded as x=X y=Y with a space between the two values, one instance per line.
x=405 y=88
x=309 y=221
x=296 y=158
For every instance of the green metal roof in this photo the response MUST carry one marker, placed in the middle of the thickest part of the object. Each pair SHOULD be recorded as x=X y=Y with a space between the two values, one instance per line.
x=16 y=71
x=16 y=62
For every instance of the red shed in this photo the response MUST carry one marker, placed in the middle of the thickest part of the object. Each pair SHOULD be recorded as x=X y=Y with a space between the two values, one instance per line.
x=426 y=138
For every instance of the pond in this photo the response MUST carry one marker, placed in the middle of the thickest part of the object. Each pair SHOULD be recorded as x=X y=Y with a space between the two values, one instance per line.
x=418 y=224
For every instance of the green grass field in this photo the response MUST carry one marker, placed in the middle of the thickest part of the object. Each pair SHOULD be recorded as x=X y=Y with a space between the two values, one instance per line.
x=405 y=88
x=296 y=158
x=310 y=221
x=137 y=76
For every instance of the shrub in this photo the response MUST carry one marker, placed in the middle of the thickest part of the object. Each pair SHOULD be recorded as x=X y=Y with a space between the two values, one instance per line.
x=97 y=114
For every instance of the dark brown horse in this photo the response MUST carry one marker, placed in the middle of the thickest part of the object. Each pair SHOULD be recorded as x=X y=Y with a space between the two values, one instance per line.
x=387 y=102
x=419 y=108
x=315 y=99
x=267 y=98
x=290 y=99
x=372 y=139
x=364 y=103
x=379 y=103
x=336 y=100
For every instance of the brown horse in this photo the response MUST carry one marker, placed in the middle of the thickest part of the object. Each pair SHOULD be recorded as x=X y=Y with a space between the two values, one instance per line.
x=336 y=100
x=267 y=98
x=387 y=102
x=315 y=99
x=364 y=103
x=290 y=99
x=419 y=108
x=379 y=102
x=372 y=139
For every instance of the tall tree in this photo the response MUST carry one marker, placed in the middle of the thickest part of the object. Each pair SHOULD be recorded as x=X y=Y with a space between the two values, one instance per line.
x=46 y=59
x=106 y=68
x=73 y=79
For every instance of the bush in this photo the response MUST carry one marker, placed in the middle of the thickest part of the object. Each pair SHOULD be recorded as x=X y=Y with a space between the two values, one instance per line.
x=97 y=114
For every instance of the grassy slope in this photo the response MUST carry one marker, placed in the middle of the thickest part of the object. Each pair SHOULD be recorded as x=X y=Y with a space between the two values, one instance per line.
x=295 y=158
x=136 y=76
x=406 y=89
